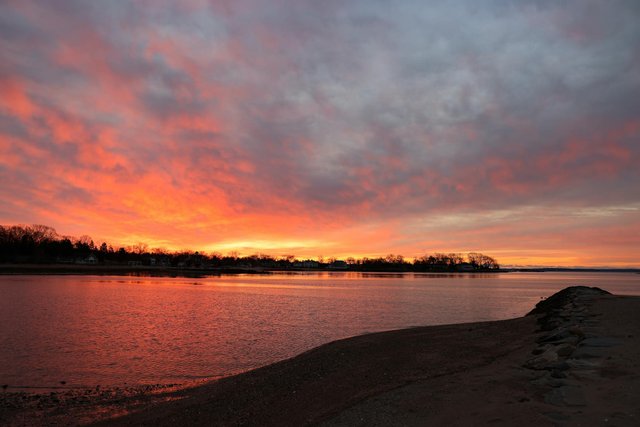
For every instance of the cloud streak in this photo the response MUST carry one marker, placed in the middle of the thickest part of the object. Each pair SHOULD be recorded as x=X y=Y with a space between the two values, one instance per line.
x=355 y=124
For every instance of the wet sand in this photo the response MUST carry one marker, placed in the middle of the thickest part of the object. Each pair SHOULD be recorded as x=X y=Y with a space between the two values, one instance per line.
x=576 y=361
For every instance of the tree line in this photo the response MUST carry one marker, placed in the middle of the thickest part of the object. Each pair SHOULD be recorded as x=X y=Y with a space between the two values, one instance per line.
x=40 y=244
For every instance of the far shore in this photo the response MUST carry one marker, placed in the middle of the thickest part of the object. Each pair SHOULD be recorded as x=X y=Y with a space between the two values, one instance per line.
x=165 y=271
x=122 y=270
x=572 y=361
x=162 y=271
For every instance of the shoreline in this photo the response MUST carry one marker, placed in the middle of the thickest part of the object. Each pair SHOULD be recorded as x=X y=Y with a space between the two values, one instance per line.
x=120 y=270
x=558 y=365
x=160 y=271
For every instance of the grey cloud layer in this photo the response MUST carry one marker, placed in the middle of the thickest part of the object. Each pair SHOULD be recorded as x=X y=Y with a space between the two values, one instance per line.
x=408 y=107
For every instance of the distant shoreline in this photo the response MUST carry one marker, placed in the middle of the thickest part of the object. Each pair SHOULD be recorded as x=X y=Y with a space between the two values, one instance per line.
x=161 y=271
x=570 y=270
x=120 y=270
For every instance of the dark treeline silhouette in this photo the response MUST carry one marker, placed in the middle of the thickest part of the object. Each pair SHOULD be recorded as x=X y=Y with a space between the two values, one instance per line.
x=39 y=244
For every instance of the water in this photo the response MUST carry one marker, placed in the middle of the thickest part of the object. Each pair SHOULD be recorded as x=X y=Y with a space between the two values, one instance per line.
x=104 y=330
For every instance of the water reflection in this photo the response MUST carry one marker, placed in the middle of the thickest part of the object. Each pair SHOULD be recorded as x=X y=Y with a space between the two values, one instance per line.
x=90 y=330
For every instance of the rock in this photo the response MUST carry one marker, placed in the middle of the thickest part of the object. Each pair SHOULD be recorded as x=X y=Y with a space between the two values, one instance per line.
x=542 y=361
x=581 y=364
x=565 y=350
x=590 y=352
x=558 y=339
x=574 y=330
x=557 y=416
x=549 y=381
x=601 y=342
x=549 y=323
x=539 y=350
x=559 y=366
x=556 y=335
x=588 y=374
x=564 y=297
x=567 y=395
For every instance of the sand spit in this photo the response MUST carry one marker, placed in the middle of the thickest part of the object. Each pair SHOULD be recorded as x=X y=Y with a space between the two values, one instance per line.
x=575 y=360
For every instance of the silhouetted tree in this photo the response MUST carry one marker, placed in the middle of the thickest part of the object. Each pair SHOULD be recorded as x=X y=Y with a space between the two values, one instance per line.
x=39 y=243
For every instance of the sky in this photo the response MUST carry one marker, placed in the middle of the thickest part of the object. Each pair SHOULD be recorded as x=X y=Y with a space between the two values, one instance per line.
x=327 y=128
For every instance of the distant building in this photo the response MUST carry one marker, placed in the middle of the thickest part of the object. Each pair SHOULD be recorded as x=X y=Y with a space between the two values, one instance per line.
x=91 y=259
x=338 y=265
x=306 y=264
x=465 y=266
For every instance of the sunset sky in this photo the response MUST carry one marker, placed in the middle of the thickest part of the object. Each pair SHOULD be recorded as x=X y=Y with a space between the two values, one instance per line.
x=334 y=128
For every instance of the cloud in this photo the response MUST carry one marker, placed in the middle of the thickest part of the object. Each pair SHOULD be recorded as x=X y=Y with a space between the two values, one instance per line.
x=204 y=122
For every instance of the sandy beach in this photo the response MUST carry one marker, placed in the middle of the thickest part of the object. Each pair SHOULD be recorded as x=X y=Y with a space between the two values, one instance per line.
x=575 y=360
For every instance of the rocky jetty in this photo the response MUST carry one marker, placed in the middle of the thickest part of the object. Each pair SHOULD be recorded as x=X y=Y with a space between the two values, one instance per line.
x=571 y=346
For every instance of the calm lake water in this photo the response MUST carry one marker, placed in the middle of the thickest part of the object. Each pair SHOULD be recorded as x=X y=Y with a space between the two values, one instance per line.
x=107 y=330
